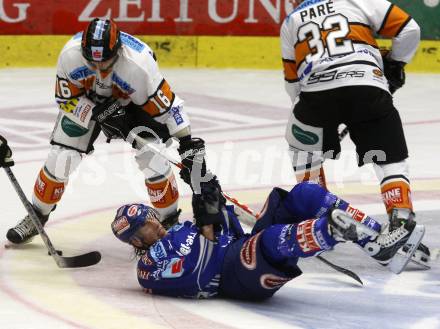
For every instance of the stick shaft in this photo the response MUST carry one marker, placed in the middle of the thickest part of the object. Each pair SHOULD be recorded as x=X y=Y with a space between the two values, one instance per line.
x=34 y=217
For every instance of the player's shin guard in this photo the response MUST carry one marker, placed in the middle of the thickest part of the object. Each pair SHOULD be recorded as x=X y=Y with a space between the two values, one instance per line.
x=395 y=186
x=308 y=238
x=163 y=194
x=396 y=195
x=309 y=200
x=48 y=190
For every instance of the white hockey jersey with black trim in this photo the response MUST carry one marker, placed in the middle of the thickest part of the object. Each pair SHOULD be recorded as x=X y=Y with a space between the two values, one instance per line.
x=328 y=44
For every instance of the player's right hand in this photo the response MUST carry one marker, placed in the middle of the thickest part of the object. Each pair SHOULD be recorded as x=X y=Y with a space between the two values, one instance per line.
x=113 y=119
x=395 y=73
x=208 y=204
x=5 y=153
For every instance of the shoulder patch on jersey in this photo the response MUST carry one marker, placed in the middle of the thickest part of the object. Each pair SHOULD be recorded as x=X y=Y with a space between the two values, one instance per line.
x=157 y=251
x=132 y=42
x=81 y=73
x=123 y=85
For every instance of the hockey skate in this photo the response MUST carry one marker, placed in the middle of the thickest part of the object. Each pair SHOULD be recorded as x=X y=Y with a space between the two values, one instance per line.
x=382 y=247
x=422 y=255
x=171 y=220
x=25 y=230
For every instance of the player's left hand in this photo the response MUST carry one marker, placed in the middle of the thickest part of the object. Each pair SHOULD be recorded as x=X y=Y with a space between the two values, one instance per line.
x=113 y=119
x=208 y=204
x=5 y=153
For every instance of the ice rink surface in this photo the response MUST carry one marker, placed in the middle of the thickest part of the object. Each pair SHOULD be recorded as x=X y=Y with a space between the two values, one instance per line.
x=242 y=116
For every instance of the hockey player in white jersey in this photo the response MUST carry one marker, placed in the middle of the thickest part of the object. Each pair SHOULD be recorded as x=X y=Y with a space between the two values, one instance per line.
x=334 y=74
x=109 y=81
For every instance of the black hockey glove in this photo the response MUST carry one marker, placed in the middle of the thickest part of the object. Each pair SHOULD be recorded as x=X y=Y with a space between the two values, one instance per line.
x=395 y=73
x=5 y=153
x=207 y=206
x=192 y=153
x=113 y=118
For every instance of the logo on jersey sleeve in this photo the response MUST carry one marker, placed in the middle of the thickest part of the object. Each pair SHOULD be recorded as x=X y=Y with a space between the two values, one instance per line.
x=176 y=115
x=174 y=268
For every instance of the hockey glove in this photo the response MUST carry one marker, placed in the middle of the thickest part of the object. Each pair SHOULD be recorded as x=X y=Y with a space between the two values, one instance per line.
x=113 y=119
x=207 y=205
x=395 y=73
x=5 y=154
x=192 y=153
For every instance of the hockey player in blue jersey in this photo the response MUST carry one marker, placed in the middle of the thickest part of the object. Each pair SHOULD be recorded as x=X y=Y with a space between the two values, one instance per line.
x=213 y=256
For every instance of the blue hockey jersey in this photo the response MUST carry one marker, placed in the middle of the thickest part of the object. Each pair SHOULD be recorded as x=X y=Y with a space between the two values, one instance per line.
x=186 y=264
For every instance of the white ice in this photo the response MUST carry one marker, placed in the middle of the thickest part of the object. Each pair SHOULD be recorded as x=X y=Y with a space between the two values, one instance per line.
x=242 y=115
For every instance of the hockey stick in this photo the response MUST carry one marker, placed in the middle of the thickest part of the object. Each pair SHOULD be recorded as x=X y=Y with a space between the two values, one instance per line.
x=83 y=260
x=249 y=216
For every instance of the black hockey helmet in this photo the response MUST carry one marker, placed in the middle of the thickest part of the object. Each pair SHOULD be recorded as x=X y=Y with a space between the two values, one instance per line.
x=100 y=41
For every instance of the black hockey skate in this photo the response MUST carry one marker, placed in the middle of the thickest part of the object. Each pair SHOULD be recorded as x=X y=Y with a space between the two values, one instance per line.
x=382 y=247
x=422 y=255
x=25 y=230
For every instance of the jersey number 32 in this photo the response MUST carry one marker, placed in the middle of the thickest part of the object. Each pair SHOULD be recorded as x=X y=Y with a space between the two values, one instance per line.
x=332 y=36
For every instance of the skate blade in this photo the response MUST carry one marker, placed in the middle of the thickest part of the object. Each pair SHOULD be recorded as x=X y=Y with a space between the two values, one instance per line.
x=424 y=261
x=420 y=259
x=401 y=259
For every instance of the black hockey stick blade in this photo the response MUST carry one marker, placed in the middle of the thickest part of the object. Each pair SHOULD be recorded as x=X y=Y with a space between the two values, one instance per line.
x=84 y=260
x=340 y=269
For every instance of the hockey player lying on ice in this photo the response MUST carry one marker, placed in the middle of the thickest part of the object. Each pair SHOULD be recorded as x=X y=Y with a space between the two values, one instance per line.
x=213 y=256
